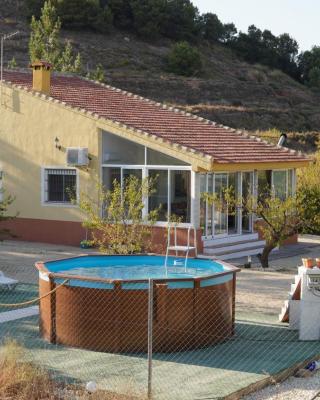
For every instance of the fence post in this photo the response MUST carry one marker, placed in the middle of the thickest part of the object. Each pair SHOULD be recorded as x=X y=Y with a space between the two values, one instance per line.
x=150 y=337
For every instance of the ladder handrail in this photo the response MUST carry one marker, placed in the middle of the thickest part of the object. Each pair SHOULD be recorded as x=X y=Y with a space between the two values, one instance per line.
x=187 y=250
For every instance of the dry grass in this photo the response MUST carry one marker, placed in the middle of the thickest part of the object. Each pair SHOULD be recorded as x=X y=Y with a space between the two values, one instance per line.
x=20 y=380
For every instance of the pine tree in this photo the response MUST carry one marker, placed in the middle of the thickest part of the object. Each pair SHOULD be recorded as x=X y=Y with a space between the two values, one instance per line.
x=44 y=39
x=45 y=42
x=77 y=65
x=12 y=64
x=97 y=74
x=66 y=59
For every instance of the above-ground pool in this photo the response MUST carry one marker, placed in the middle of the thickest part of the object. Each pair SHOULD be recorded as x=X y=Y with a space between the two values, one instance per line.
x=104 y=303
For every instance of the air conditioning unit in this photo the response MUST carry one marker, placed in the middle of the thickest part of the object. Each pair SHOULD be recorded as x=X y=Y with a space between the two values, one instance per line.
x=77 y=156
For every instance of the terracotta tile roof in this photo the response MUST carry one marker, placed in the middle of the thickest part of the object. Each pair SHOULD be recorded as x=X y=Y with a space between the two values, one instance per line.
x=223 y=144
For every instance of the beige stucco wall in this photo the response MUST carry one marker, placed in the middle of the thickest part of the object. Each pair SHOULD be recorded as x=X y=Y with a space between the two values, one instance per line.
x=30 y=123
x=28 y=128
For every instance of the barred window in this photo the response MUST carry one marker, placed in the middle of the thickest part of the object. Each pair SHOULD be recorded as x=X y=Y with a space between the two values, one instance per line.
x=60 y=185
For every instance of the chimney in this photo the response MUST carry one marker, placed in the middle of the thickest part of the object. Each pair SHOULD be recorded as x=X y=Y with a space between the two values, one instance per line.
x=41 y=76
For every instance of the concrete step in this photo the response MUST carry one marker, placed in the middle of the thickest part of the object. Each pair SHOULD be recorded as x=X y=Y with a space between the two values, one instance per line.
x=232 y=247
x=230 y=239
x=238 y=254
x=284 y=314
x=295 y=291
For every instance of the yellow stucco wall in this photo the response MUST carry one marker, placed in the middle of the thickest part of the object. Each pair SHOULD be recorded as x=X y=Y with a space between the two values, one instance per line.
x=30 y=123
x=28 y=128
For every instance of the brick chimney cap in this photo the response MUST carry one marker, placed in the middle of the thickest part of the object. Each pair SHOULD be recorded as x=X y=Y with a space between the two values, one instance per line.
x=41 y=63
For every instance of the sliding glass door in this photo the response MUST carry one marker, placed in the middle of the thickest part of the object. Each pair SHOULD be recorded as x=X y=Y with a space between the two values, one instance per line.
x=220 y=217
x=221 y=205
x=247 y=192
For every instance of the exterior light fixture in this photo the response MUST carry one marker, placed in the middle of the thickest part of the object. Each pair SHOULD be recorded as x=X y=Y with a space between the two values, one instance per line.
x=57 y=143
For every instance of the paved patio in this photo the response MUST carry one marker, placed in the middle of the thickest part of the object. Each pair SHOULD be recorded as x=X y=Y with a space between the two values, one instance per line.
x=261 y=347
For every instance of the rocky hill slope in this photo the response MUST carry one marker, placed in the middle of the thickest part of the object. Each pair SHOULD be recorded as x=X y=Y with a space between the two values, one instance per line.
x=229 y=91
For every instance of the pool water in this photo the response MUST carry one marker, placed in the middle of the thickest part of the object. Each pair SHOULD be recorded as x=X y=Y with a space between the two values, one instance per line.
x=134 y=267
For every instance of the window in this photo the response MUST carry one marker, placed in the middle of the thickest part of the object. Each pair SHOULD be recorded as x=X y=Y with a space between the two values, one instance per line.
x=159 y=198
x=157 y=158
x=264 y=184
x=60 y=185
x=291 y=182
x=180 y=185
x=117 y=150
x=110 y=175
x=172 y=189
x=280 y=184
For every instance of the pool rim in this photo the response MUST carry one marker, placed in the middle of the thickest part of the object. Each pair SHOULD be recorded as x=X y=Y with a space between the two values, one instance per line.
x=41 y=267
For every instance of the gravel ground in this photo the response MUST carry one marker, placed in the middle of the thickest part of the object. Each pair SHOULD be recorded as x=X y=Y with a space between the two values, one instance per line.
x=291 y=389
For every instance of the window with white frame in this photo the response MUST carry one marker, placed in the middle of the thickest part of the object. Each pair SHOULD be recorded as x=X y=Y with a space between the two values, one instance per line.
x=172 y=190
x=60 y=185
x=280 y=182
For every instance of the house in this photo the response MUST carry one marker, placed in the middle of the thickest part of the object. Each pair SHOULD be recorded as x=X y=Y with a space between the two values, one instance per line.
x=47 y=118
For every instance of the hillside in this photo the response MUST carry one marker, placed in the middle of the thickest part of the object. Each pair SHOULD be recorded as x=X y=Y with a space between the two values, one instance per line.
x=229 y=91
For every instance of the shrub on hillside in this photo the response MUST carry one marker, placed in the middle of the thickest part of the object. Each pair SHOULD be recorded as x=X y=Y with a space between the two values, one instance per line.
x=314 y=78
x=84 y=14
x=184 y=60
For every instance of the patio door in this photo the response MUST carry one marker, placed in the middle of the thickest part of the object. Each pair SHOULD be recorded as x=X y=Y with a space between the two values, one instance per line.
x=220 y=227
x=247 y=191
x=223 y=219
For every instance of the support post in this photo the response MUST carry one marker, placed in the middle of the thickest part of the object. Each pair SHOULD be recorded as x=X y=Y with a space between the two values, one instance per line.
x=150 y=337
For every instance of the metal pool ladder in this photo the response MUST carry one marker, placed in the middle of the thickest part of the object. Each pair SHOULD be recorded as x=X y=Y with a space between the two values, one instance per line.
x=175 y=247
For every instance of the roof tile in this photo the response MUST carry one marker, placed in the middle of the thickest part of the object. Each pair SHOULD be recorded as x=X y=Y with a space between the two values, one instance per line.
x=224 y=144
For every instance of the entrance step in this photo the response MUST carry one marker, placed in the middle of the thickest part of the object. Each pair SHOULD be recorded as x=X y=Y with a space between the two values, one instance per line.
x=232 y=250
x=230 y=239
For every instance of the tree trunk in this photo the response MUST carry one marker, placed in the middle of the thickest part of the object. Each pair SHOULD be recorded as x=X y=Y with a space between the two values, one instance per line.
x=264 y=256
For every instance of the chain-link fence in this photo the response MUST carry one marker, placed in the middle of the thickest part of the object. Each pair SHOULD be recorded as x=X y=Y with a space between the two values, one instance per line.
x=180 y=338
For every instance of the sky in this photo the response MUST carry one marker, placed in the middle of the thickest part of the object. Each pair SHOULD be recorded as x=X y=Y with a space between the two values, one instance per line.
x=299 y=18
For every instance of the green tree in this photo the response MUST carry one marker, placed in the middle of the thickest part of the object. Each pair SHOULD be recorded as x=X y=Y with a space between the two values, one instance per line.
x=147 y=17
x=12 y=64
x=229 y=33
x=281 y=218
x=184 y=60
x=212 y=28
x=309 y=61
x=67 y=61
x=97 y=74
x=122 y=13
x=44 y=38
x=314 y=77
x=308 y=191
x=84 y=14
x=5 y=202
x=122 y=228
x=180 y=20
x=45 y=42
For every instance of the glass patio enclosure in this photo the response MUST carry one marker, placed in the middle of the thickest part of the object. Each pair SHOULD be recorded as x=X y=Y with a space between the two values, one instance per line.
x=178 y=189
x=122 y=158
x=230 y=220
